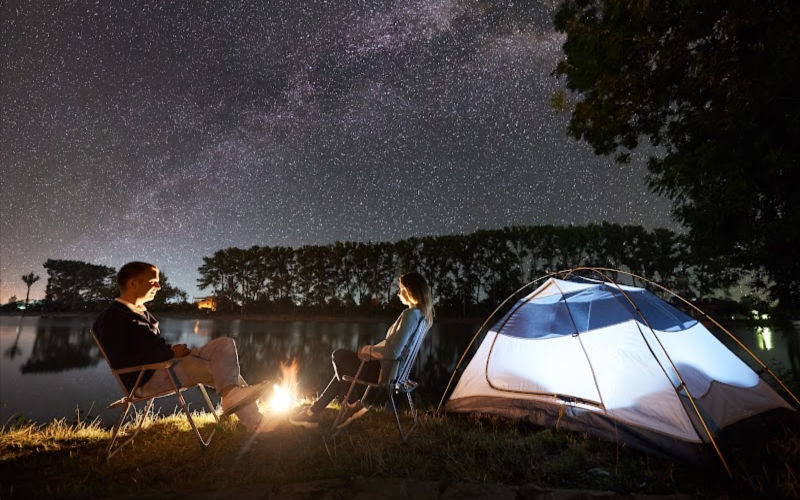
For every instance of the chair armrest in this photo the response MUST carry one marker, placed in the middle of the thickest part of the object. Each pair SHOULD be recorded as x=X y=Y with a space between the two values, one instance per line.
x=348 y=378
x=149 y=366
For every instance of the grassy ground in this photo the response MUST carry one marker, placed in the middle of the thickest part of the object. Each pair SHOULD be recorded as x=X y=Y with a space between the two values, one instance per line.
x=65 y=460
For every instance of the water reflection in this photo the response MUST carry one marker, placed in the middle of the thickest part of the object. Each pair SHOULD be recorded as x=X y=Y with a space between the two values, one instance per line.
x=51 y=365
x=764 y=336
x=61 y=347
x=14 y=351
x=793 y=353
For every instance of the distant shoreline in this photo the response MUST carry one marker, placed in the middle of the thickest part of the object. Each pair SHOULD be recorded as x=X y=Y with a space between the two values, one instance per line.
x=332 y=318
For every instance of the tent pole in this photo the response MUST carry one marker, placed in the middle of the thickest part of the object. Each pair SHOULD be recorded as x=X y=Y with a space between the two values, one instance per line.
x=716 y=323
x=474 y=337
x=583 y=348
x=675 y=368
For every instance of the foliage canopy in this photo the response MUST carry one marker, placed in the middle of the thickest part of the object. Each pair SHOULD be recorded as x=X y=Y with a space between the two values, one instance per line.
x=74 y=285
x=713 y=86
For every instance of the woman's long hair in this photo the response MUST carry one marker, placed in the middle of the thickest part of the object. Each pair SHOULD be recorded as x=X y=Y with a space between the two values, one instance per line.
x=418 y=288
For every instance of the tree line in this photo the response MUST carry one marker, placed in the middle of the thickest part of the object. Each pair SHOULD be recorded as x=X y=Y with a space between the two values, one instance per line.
x=74 y=285
x=468 y=273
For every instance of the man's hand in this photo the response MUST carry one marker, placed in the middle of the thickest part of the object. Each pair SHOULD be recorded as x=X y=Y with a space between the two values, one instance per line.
x=363 y=353
x=181 y=350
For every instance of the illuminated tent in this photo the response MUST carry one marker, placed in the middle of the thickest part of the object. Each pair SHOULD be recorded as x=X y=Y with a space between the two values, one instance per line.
x=613 y=361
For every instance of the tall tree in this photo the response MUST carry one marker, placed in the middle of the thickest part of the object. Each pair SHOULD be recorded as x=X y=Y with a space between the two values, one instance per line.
x=316 y=277
x=382 y=261
x=218 y=273
x=712 y=87
x=29 y=280
x=74 y=285
x=440 y=267
x=516 y=238
x=281 y=268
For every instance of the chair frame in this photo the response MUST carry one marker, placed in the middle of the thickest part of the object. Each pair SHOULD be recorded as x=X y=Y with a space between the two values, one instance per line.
x=130 y=398
x=400 y=384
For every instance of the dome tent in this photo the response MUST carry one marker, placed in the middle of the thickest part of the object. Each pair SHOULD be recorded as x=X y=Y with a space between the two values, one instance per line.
x=615 y=361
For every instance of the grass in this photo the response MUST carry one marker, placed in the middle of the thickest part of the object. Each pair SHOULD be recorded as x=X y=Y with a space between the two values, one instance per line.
x=63 y=459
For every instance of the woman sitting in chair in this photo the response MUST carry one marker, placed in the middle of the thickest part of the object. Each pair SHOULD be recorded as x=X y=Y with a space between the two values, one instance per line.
x=380 y=360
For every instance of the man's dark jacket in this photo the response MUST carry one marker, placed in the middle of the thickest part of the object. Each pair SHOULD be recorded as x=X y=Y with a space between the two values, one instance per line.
x=131 y=339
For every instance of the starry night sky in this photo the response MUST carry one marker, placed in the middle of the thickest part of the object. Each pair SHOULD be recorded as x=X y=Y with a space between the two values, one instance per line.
x=164 y=131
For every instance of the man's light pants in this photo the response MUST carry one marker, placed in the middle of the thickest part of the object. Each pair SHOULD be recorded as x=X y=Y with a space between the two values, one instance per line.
x=216 y=364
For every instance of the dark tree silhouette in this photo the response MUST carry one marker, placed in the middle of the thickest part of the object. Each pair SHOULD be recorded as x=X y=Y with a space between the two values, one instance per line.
x=713 y=86
x=468 y=273
x=74 y=285
x=29 y=280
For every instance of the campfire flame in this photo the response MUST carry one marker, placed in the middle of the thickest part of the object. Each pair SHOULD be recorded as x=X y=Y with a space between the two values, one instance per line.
x=284 y=395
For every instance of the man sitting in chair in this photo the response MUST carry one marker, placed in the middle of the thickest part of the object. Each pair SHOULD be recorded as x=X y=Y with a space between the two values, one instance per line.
x=130 y=336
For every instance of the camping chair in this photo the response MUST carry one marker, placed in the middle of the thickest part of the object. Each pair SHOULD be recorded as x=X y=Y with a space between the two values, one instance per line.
x=134 y=396
x=400 y=384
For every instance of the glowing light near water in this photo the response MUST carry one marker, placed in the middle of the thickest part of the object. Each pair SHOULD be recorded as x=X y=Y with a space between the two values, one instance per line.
x=764 y=337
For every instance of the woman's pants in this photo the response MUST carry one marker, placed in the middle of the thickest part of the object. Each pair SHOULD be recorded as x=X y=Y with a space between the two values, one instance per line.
x=346 y=362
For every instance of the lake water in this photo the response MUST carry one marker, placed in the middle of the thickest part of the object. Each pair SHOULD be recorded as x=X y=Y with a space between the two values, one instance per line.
x=50 y=366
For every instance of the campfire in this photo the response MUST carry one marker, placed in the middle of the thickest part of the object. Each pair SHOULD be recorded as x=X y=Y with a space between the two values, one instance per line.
x=284 y=396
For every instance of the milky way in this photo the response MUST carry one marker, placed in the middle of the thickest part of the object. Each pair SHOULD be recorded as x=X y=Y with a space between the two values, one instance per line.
x=164 y=131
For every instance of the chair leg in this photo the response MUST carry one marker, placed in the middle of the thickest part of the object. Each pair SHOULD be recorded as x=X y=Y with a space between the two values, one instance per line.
x=396 y=414
x=144 y=417
x=110 y=450
x=208 y=402
x=203 y=442
x=404 y=434
x=347 y=398
x=414 y=414
x=115 y=432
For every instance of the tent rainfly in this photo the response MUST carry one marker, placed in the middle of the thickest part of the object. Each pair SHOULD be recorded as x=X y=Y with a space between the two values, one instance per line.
x=613 y=361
